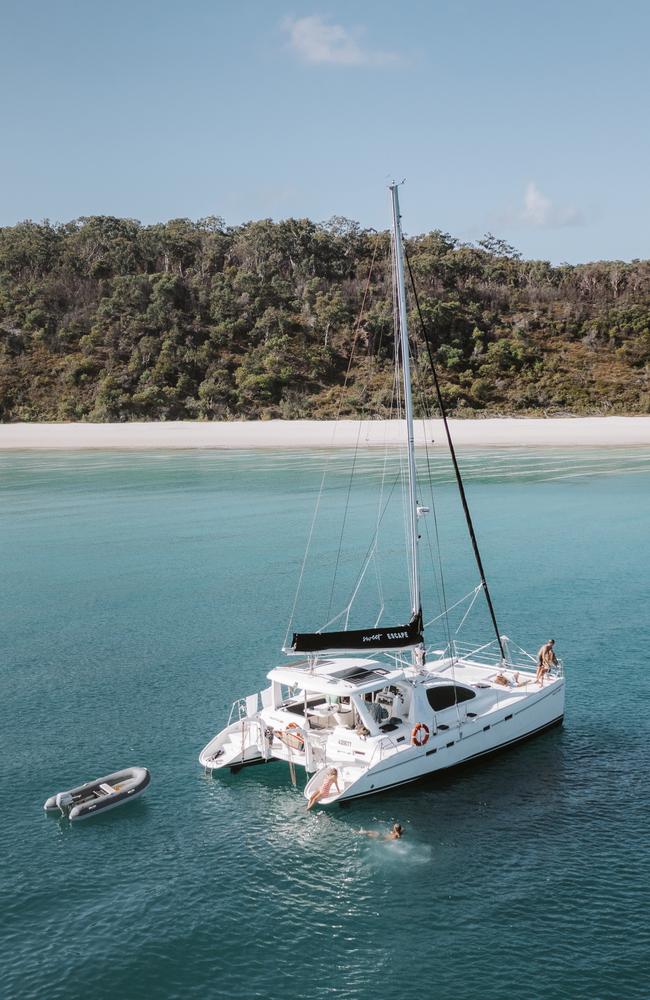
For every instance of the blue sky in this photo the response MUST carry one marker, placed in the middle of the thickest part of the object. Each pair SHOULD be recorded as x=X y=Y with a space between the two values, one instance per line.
x=527 y=119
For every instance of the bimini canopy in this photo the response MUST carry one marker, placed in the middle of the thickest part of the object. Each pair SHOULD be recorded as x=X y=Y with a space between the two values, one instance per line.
x=338 y=677
x=358 y=640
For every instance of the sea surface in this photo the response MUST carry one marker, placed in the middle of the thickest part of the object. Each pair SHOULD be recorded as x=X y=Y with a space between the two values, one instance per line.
x=141 y=593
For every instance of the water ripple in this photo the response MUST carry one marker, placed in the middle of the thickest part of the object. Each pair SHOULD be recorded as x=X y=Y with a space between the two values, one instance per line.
x=138 y=602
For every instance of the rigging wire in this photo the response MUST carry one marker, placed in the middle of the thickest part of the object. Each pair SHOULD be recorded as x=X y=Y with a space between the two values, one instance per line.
x=366 y=560
x=377 y=566
x=443 y=594
x=471 y=605
x=345 y=517
x=472 y=593
x=403 y=474
x=445 y=614
x=445 y=608
x=438 y=545
x=363 y=396
x=304 y=559
x=440 y=588
x=355 y=338
x=459 y=479
x=380 y=589
x=400 y=410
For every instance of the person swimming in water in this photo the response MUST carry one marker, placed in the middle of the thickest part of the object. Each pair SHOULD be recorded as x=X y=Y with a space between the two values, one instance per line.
x=395 y=833
x=331 y=778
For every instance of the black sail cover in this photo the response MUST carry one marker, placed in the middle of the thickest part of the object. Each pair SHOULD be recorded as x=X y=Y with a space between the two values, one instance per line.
x=395 y=637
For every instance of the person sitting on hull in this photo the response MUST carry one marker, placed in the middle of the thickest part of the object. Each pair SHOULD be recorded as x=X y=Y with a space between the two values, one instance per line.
x=546 y=659
x=331 y=778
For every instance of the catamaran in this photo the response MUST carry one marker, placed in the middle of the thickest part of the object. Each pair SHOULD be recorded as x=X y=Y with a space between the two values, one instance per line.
x=367 y=710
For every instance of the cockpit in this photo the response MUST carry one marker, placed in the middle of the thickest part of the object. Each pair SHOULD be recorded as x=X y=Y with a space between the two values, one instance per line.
x=361 y=695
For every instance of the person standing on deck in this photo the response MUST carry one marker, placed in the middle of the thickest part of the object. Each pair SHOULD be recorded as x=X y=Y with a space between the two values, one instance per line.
x=546 y=659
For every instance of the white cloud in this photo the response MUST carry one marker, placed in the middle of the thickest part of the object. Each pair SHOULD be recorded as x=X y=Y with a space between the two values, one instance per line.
x=318 y=42
x=541 y=212
x=537 y=208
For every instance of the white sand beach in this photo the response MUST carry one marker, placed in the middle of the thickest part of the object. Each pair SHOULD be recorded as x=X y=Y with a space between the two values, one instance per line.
x=569 y=432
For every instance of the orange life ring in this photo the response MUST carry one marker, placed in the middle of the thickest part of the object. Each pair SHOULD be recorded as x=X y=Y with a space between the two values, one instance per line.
x=420 y=734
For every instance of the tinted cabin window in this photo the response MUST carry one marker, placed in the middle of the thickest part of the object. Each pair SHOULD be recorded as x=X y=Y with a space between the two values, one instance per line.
x=447 y=695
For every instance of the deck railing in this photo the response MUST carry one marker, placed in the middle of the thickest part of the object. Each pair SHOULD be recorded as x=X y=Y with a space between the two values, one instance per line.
x=238 y=706
x=489 y=655
x=381 y=749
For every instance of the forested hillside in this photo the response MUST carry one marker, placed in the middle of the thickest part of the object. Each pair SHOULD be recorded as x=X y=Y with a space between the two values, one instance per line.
x=104 y=319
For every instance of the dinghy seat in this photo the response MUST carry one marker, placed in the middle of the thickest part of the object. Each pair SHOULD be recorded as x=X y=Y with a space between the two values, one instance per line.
x=106 y=788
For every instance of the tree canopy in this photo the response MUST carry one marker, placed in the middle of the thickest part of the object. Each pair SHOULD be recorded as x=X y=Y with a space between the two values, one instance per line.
x=104 y=319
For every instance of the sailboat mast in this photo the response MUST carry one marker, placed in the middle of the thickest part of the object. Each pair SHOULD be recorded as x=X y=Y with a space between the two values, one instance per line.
x=398 y=250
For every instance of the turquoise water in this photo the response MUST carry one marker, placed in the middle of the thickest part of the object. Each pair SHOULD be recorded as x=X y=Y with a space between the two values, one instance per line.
x=142 y=593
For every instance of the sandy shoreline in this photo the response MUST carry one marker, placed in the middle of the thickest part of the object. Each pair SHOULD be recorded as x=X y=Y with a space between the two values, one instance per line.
x=569 y=432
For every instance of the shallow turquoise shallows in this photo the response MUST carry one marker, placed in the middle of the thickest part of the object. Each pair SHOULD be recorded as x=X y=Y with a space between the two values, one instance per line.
x=142 y=593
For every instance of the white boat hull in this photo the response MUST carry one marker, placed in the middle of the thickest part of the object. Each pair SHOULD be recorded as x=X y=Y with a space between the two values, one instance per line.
x=454 y=711
x=234 y=747
x=473 y=739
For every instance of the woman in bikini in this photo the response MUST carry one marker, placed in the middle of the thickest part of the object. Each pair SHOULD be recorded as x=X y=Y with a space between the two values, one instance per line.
x=331 y=778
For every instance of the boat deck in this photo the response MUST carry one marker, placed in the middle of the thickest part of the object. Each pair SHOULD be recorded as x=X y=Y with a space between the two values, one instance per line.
x=326 y=739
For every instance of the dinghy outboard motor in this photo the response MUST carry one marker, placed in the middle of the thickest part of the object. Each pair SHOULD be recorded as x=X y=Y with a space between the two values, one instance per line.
x=64 y=800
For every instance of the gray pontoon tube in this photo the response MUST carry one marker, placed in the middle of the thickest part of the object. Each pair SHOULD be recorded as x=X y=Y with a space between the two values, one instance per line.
x=100 y=795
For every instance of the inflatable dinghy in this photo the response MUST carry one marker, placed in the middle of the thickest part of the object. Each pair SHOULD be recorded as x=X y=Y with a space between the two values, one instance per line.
x=100 y=795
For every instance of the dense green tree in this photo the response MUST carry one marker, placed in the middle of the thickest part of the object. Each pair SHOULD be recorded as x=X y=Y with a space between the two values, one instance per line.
x=105 y=319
